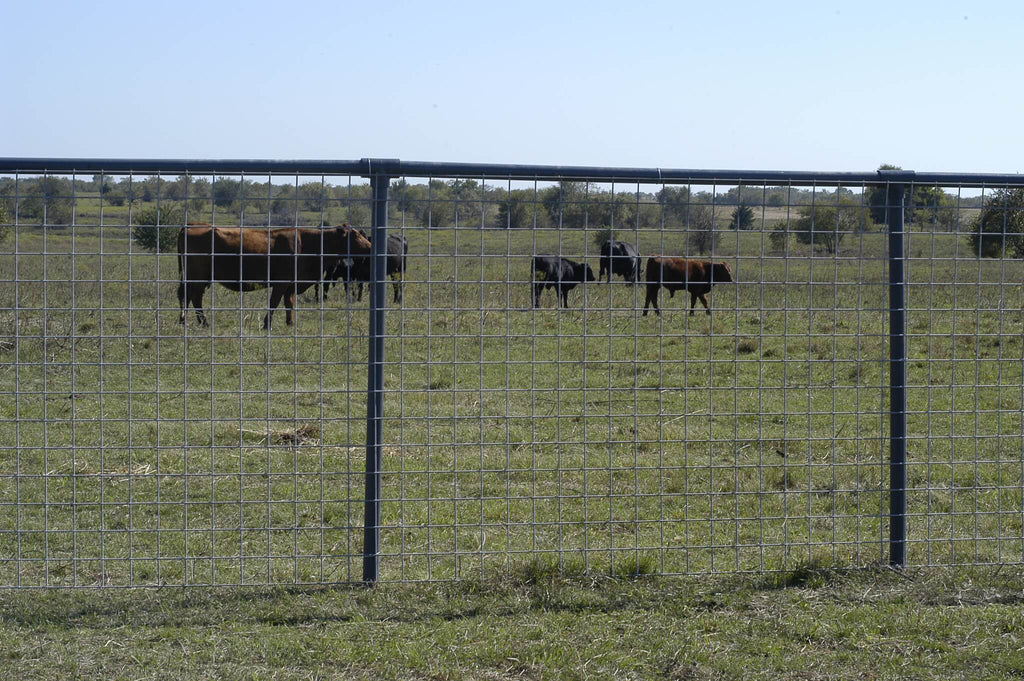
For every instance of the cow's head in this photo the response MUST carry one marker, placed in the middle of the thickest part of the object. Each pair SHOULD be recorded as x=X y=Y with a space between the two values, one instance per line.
x=588 y=273
x=347 y=241
x=720 y=272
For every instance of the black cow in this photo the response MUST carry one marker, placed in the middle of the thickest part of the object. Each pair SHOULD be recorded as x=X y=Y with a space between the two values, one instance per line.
x=561 y=274
x=618 y=257
x=355 y=271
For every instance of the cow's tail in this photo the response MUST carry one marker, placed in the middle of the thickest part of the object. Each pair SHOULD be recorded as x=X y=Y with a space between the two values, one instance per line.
x=181 y=254
x=181 y=275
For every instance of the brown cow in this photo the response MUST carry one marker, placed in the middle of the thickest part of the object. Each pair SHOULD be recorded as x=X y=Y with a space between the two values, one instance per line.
x=696 y=276
x=287 y=260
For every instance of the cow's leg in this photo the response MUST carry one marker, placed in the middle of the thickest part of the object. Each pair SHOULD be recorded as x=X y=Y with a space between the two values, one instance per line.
x=181 y=301
x=194 y=294
x=651 y=298
x=289 y=301
x=704 y=300
x=276 y=293
x=359 y=291
x=537 y=288
x=197 y=304
x=398 y=289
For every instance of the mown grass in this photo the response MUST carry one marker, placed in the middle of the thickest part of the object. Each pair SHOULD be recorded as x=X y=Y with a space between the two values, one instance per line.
x=593 y=439
x=533 y=623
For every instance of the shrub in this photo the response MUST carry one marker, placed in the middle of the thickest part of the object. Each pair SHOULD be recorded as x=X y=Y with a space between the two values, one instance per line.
x=156 y=227
x=999 y=230
x=602 y=235
x=701 y=235
x=742 y=218
x=516 y=210
x=827 y=224
x=5 y=226
x=779 y=237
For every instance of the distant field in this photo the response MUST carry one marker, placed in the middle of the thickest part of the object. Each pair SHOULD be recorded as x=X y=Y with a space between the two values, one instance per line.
x=595 y=438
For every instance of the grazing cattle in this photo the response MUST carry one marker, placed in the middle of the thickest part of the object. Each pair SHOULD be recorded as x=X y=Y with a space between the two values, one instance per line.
x=287 y=260
x=561 y=274
x=618 y=257
x=355 y=271
x=696 y=276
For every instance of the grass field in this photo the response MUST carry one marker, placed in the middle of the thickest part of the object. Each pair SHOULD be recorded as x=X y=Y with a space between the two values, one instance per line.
x=592 y=440
x=801 y=625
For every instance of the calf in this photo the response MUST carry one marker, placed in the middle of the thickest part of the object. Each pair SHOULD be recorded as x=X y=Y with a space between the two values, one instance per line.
x=696 y=276
x=618 y=257
x=357 y=270
x=561 y=274
x=287 y=260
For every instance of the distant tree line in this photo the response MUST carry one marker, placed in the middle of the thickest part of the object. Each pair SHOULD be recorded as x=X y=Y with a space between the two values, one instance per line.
x=817 y=216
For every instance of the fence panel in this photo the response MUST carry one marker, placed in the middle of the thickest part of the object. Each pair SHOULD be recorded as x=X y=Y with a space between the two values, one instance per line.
x=964 y=453
x=140 y=451
x=515 y=435
x=599 y=438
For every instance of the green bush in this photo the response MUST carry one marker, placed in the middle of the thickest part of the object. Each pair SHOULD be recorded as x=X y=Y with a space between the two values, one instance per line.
x=742 y=218
x=5 y=226
x=999 y=230
x=156 y=227
x=779 y=237
x=827 y=224
x=602 y=235
x=516 y=210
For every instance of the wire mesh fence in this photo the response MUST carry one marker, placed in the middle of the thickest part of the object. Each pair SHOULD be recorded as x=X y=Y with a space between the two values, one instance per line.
x=711 y=395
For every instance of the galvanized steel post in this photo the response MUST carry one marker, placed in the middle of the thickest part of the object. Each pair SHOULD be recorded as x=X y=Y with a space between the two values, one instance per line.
x=379 y=184
x=897 y=183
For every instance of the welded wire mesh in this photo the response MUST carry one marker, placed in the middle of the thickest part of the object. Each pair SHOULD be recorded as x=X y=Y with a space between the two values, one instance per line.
x=602 y=437
x=142 y=451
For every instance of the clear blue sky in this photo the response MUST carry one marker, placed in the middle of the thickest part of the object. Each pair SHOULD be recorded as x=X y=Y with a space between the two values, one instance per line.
x=932 y=86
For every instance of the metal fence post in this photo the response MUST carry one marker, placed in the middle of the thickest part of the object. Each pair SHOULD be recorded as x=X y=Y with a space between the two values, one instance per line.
x=379 y=183
x=896 y=187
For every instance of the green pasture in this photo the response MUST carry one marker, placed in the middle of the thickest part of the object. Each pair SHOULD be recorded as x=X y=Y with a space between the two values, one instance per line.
x=594 y=439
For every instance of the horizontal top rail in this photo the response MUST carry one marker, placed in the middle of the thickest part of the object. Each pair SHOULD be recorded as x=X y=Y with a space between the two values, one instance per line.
x=368 y=167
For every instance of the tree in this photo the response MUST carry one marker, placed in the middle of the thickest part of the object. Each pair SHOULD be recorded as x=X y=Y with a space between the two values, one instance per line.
x=467 y=208
x=405 y=195
x=999 y=229
x=924 y=206
x=827 y=224
x=156 y=227
x=777 y=197
x=566 y=204
x=933 y=209
x=313 y=196
x=742 y=217
x=516 y=210
x=701 y=235
x=875 y=197
x=779 y=237
x=439 y=208
x=226 y=192
x=674 y=202
x=48 y=198
x=198 y=195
